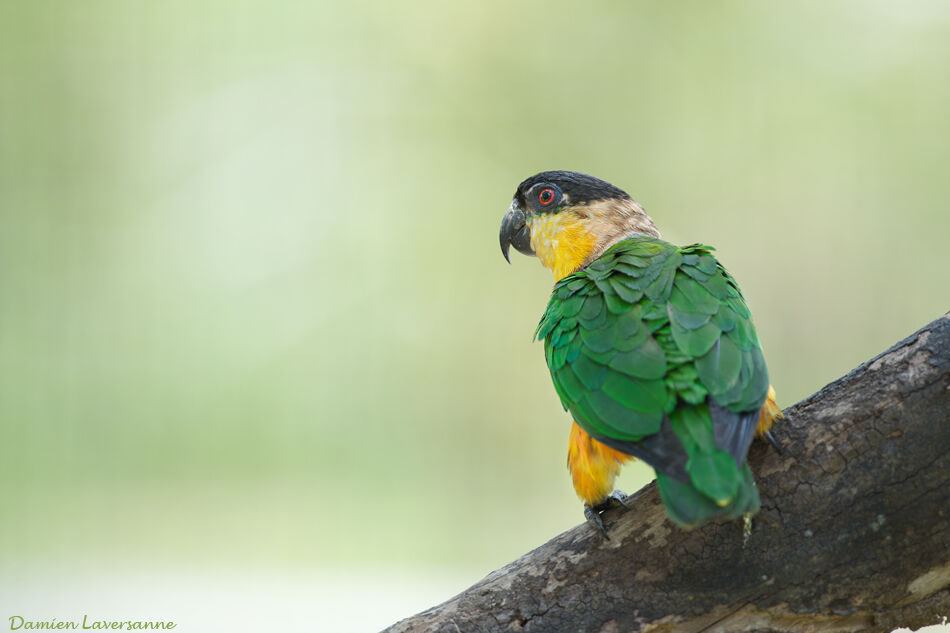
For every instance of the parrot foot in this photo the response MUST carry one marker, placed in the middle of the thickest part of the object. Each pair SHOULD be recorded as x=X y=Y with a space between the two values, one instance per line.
x=746 y=528
x=592 y=513
x=774 y=442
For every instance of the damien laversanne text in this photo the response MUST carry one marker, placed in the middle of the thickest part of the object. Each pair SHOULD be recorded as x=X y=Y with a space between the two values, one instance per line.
x=18 y=622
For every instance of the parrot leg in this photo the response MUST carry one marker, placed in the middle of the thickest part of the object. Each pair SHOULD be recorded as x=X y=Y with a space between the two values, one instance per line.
x=746 y=528
x=592 y=513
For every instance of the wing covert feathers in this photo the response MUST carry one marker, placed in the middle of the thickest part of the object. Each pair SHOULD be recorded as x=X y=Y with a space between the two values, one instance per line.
x=653 y=351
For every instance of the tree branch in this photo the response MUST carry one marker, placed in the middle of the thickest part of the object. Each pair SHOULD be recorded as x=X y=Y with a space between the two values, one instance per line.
x=853 y=535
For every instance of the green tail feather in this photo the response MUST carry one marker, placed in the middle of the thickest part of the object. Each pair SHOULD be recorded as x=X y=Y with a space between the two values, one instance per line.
x=688 y=507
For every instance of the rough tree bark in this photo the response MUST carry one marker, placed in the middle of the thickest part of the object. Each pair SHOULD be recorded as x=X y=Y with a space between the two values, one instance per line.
x=853 y=535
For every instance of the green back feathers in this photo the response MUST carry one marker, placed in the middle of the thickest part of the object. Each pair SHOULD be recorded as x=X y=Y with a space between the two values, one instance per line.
x=640 y=345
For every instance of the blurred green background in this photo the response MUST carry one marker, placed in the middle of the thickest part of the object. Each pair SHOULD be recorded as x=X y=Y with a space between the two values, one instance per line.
x=254 y=321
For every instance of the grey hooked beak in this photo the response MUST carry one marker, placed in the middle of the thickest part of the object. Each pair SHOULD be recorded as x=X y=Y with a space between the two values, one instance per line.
x=514 y=232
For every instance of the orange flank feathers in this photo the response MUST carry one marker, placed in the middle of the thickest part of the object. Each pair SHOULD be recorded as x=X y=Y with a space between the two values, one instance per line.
x=769 y=414
x=593 y=466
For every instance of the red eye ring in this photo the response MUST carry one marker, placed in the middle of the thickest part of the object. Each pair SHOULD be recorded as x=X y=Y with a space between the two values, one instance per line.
x=546 y=196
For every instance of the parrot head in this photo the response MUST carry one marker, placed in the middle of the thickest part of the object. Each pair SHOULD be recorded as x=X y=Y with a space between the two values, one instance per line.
x=568 y=219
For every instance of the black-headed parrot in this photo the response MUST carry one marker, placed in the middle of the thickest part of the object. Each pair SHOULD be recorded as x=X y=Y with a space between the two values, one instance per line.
x=651 y=348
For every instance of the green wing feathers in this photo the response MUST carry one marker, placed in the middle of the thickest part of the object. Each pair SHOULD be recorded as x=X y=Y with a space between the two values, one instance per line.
x=652 y=350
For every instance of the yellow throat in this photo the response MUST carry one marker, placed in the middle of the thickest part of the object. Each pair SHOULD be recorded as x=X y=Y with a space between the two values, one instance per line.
x=561 y=241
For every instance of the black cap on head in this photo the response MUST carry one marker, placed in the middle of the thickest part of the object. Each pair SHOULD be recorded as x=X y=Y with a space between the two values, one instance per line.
x=580 y=188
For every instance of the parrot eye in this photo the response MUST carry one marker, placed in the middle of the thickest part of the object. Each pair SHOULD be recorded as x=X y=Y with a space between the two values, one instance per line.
x=546 y=196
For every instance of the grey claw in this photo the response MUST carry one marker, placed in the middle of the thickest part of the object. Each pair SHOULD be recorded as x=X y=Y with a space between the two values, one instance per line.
x=774 y=442
x=619 y=496
x=593 y=518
